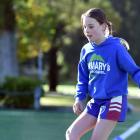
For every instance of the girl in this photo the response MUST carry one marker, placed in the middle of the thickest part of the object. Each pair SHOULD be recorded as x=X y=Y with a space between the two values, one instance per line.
x=103 y=74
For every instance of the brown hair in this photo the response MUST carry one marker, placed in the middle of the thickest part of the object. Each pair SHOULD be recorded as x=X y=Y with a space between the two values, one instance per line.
x=99 y=15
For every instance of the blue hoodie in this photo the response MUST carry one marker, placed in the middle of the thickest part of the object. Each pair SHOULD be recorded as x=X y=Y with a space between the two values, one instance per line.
x=103 y=70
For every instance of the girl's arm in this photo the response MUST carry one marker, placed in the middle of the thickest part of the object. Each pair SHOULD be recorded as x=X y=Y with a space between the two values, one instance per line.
x=82 y=79
x=127 y=63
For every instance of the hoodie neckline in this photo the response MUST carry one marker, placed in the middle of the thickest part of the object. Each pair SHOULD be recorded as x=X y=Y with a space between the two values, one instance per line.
x=94 y=45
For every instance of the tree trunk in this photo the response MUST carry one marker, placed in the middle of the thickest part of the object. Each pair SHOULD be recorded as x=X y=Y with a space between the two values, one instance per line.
x=53 y=69
x=8 y=58
x=53 y=66
x=8 y=55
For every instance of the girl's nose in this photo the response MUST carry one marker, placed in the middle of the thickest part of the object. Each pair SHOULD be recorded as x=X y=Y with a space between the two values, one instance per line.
x=86 y=30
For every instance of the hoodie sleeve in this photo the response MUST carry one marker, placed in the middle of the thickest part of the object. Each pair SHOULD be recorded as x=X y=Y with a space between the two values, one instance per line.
x=127 y=64
x=82 y=79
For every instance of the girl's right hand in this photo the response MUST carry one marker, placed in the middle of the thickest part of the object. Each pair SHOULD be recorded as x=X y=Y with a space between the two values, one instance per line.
x=78 y=107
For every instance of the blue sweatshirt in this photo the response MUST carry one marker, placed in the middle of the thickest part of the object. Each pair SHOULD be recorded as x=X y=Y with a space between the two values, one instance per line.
x=103 y=70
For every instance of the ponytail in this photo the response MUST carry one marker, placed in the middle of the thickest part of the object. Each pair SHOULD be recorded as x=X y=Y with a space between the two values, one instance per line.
x=109 y=24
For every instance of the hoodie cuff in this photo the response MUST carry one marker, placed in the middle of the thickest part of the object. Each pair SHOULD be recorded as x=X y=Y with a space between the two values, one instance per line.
x=80 y=97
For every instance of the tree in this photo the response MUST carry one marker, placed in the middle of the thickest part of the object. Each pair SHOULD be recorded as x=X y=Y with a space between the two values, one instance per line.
x=129 y=12
x=32 y=28
x=46 y=25
x=67 y=21
x=8 y=56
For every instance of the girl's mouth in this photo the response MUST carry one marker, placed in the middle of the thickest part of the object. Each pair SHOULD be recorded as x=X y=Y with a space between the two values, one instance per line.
x=89 y=36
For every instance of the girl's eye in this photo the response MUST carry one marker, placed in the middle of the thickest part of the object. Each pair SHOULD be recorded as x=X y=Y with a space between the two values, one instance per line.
x=91 y=27
x=84 y=27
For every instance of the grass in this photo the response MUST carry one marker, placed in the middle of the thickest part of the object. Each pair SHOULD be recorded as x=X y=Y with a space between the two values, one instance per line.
x=49 y=125
x=57 y=100
x=70 y=89
x=63 y=89
x=52 y=124
x=122 y=127
x=65 y=96
x=134 y=92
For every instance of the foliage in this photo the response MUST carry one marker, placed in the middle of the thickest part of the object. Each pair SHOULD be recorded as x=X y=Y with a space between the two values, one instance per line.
x=20 y=84
x=43 y=23
x=31 y=28
x=18 y=91
x=129 y=11
x=7 y=16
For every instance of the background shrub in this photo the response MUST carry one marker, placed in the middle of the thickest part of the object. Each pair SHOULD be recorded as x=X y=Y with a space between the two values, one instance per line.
x=18 y=92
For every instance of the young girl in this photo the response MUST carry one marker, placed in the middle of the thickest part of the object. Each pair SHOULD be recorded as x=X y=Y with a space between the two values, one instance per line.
x=103 y=74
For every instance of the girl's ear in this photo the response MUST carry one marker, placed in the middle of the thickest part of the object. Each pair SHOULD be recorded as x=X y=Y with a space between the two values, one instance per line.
x=104 y=27
x=106 y=31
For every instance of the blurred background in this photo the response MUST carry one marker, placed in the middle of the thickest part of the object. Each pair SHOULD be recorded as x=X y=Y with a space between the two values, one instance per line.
x=40 y=43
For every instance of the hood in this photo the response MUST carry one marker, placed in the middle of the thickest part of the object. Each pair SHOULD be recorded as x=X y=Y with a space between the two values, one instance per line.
x=108 y=41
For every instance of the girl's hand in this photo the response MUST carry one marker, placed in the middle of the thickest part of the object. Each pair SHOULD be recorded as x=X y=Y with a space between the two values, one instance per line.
x=78 y=107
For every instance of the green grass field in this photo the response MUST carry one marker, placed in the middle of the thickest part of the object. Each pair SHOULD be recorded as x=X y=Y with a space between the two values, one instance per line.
x=51 y=124
x=48 y=125
x=70 y=90
x=65 y=96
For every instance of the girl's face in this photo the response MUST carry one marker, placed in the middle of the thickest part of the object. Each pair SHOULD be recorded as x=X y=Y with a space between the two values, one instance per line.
x=93 y=30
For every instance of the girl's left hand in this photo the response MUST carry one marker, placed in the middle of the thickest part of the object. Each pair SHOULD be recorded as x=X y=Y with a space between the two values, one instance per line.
x=78 y=107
